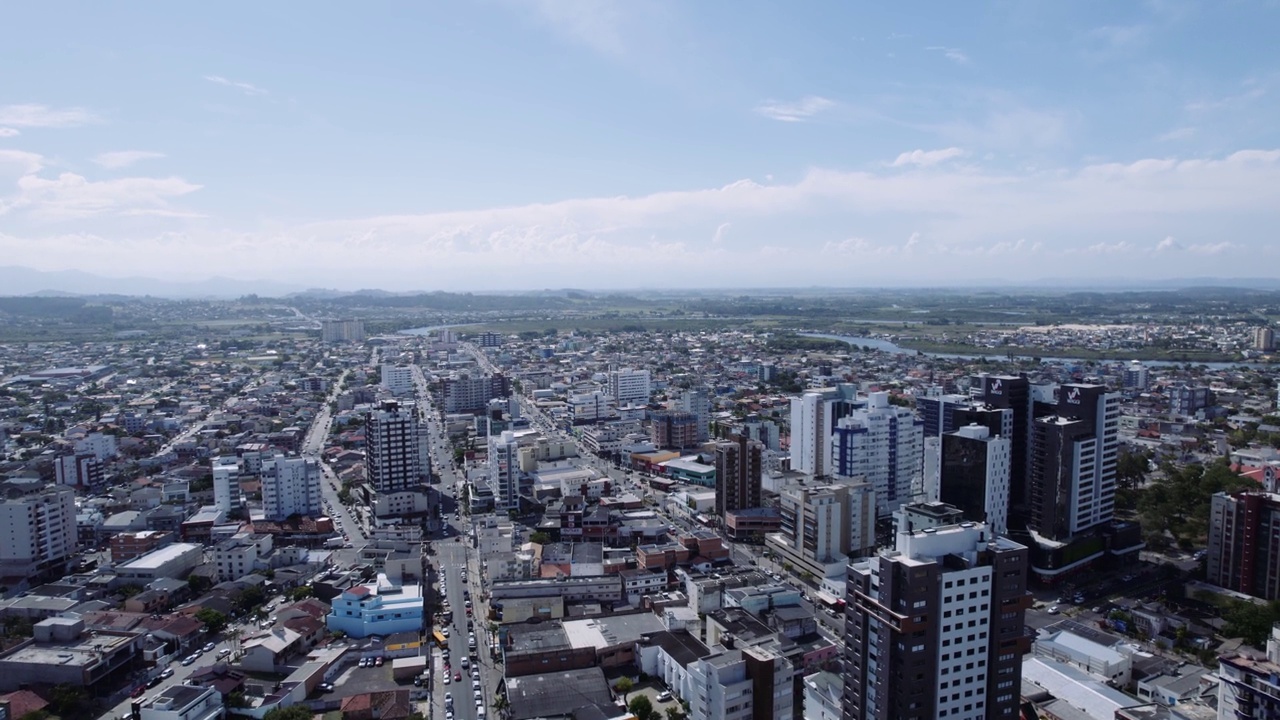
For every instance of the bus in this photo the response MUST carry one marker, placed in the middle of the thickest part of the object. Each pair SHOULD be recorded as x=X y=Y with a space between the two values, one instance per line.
x=441 y=640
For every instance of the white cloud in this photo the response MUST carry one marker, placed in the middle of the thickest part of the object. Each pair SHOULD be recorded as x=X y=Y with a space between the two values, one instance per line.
x=1182 y=133
x=9 y=132
x=25 y=162
x=926 y=158
x=955 y=55
x=34 y=115
x=71 y=196
x=798 y=111
x=124 y=158
x=243 y=87
x=1168 y=244
x=883 y=220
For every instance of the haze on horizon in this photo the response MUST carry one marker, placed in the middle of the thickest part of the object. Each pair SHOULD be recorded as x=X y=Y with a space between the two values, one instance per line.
x=525 y=144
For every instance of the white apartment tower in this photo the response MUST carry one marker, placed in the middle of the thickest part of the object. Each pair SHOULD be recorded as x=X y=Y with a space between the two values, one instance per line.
x=813 y=416
x=698 y=402
x=629 y=386
x=398 y=379
x=884 y=444
x=504 y=470
x=291 y=486
x=226 y=483
x=396 y=449
x=38 y=531
x=341 y=330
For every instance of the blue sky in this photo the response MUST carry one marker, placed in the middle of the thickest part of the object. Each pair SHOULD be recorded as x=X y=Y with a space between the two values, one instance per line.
x=507 y=144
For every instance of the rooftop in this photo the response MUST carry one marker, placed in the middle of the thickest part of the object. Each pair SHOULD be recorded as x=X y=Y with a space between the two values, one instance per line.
x=156 y=559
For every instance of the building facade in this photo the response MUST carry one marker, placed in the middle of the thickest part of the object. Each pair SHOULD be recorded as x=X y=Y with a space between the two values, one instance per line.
x=394 y=448
x=934 y=628
x=342 y=331
x=1072 y=485
x=291 y=486
x=883 y=444
x=504 y=470
x=974 y=475
x=1244 y=543
x=738 y=474
x=821 y=524
x=37 y=532
x=629 y=386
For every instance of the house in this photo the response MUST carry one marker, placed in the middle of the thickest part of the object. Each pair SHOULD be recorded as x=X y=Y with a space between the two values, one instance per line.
x=180 y=632
x=384 y=705
x=268 y=651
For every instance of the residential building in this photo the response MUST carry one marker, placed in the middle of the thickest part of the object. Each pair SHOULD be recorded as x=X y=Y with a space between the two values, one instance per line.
x=588 y=408
x=62 y=652
x=342 y=331
x=813 y=418
x=884 y=444
x=466 y=393
x=504 y=470
x=822 y=523
x=698 y=401
x=1247 y=686
x=379 y=608
x=674 y=429
x=1244 y=543
x=629 y=386
x=226 y=483
x=80 y=470
x=1136 y=376
x=291 y=486
x=395 y=448
x=99 y=445
x=934 y=627
x=752 y=682
x=241 y=555
x=1007 y=392
x=822 y=691
x=1187 y=400
x=37 y=532
x=489 y=339
x=738 y=474
x=128 y=546
x=398 y=379
x=181 y=702
x=975 y=475
x=1264 y=339
x=937 y=411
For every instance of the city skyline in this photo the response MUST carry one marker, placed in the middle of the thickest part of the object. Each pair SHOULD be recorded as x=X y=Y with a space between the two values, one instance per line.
x=514 y=145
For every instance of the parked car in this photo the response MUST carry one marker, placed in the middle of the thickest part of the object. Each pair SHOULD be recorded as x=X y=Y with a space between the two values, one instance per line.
x=166 y=673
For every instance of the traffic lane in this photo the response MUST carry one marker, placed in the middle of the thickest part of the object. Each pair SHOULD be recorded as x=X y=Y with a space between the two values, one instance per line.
x=180 y=674
x=453 y=558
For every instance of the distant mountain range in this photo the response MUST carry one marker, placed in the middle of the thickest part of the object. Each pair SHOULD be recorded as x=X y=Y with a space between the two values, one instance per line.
x=20 y=281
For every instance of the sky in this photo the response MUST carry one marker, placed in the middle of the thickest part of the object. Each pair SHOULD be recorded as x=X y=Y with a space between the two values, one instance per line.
x=506 y=144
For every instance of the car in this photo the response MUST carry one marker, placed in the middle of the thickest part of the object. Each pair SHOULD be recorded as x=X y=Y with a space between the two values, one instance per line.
x=446 y=631
x=224 y=652
x=188 y=660
x=448 y=699
x=138 y=691
x=457 y=677
x=377 y=662
x=154 y=681
x=417 y=681
x=1053 y=610
x=326 y=687
x=475 y=686
x=448 y=714
x=447 y=677
x=664 y=696
x=166 y=673
x=465 y=663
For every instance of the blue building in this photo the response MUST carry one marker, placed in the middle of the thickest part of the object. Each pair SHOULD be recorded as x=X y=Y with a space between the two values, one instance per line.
x=380 y=608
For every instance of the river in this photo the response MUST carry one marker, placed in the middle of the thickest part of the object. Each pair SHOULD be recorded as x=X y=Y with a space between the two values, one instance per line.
x=887 y=346
x=431 y=328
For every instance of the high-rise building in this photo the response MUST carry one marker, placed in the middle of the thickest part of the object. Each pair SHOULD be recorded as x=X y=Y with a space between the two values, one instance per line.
x=1187 y=400
x=674 y=429
x=465 y=393
x=738 y=474
x=974 y=475
x=291 y=486
x=937 y=411
x=1264 y=339
x=813 y=419
x=698 y=402
x=227 y=496
x=1247 y=683
x=398 y=379
x=395 y=449
x=504 y=470
x=1136 y=376
x=37 y=531
x=341 y=330
x=1012 y=393
x=79 y=470
x=100 y=445
x=884 y=444
x=1072 y=486
x=1244 y=543
x=628 y=387
x=934 y=627
x=822 y=523
x=751 y=683
x=489 y=339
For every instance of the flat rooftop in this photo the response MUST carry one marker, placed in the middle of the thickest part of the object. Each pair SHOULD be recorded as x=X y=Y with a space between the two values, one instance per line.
x=85 y=651
x=159 y=557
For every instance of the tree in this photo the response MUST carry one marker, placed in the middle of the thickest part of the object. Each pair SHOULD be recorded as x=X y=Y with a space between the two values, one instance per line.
x=213 y=620
x=68 y=701
x=675 y=713
x=642 y=708
x=624 y=686
x=542 y=538
x=199 y=584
